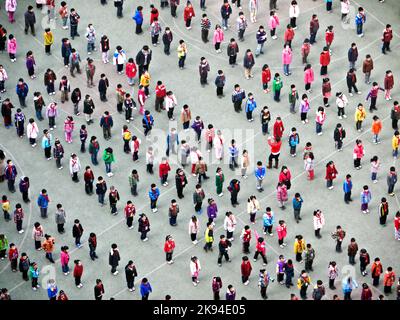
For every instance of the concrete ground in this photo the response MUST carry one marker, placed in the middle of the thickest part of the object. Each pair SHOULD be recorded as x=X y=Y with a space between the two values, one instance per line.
x=149 y=257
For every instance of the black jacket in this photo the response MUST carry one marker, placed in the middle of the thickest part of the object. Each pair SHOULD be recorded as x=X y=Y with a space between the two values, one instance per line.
x=30 y=17
x=130 y=273
x=88 y=106
x=167 y=38
x=336 y=135
x=114 y=258
x=224 y=246
x=140 y=58
x=77 y=231
x=76 y=95
x=103 y=85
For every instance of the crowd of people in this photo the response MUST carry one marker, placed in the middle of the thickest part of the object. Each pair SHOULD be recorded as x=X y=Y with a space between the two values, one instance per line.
x=136 y=70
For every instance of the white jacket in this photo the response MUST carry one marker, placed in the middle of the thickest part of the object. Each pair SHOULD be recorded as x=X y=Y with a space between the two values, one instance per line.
x=319 y=222
x=253 y=206
x=193 y=227
x=32 y=130
x=3 y=75
x=170 y=102
x=345 y=6
x=342 y=102
x=230 y=223
x=194 y=156
x=294 y=11
x=74 y=165
x=120 y=56
x=193 y=269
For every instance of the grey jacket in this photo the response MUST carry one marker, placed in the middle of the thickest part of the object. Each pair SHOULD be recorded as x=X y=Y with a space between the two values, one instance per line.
x=60 y=216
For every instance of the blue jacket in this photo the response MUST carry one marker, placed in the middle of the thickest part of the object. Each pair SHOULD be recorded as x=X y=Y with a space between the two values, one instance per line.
x=106 y=122
x=360 y=19
x=10 y=175
x=146 y=123
x=154 y=194
x=23 y=92
x=233 y=151
x=260 y=172
x=145 y=289
x=297 y=204
x=347 y=186
x=366 y=197
x=294 y=140
x=47 y=142
x=52 y=293
x=348 y=287
x=42 y=201
x=138 y=17
x=250 y=105
x=268 y=220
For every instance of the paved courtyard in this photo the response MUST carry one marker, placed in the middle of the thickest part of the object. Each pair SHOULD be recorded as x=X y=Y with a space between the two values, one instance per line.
x=149 y=257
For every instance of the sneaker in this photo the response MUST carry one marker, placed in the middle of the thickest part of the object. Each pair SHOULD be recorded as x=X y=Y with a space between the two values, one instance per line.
x=340 y=117
x=271 y=234
x=330 y=188
x=146 y=239
x=284 y=244
x=115 y=273
x=350 y=94
x=195 y=242
x=364 y=211
x=34 y=288
x=21 y=231
x=220 y=195
x=358 y=92
x=246 y=283
x=131 y=227
x=131 y=290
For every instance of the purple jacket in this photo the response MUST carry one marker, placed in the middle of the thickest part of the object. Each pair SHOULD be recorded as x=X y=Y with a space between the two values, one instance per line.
x=212 y=211
x=281 y=266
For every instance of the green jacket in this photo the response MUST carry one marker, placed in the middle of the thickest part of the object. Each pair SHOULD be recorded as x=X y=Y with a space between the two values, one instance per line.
x=277 y=84
x=108 y=157
x=219 y=182
x=293 y=98
x=133 y=181
x=4 y=244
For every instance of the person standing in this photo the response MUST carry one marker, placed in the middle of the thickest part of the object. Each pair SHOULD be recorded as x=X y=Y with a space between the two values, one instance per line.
x=60 y=218
x=309 y=256
x=339 y=235
x=119 y=4
x=226 y=11
x=388 y=280
x=92 y=246
x=241 y=24
x=188 y=14
x=348 y=284
x=198 y=197
x=248 y=64
x=145 y=289
x=74 y=18
x=383 y=211
x=169 y=247
x=98 y=290
x=299 y=247
x=352 y=250
x=302 y=284
x=391 y=180
x=77 y=231
x=78 y=272
x=182 y=52
x=376 y=271
x=223 y=246
x=113 y=259
x=245 y=269
x=130 y=274
x=314 y=26
x=48 y=247
x=138 y=17
x=319 y=222
x=144 y=227
x=30 y=20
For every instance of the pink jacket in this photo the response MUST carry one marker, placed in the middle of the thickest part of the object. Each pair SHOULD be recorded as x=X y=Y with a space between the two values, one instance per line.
x=64 y=256
x=282 y=231
x=309 y=76
x=358 y=151
x=218 y=36
x=68 y=126
x=281 y=193
x=273 y=22
x=11 y=5
x=320 y=117
x=12 y=46
x=287 y=56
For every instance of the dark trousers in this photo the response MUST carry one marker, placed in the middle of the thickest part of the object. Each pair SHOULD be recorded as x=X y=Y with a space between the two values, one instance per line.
x=138 y=29
x=223 y=254
x=234 y=198
x=10 y=184
x=168 y=256
x=331 y=283
x=159 y=103
x=60 y=227
x=204 y=35
x=77 y=281
x=338 y=246
x=308 y=265
x=372 y=106
x=129 y=221
x=246 y=247
x=375 y=281
x=89 y=187
x=353 y=86
x=173 y=11
x=130 y=283
x=357 y=163
x=312 y=37
x=352 y=260
x=19 y=225
x=220 y=91
x=181 y=62
x=74 y=31
x=293 y=22
x=153 y=204
x=232 y=59
x=143 y=235
x=119 y=11
x=167 y=46
x=262 y=255
x=385 y=46
x=30 y=26
x=47 y=48
x=277 y=95
x=203 y=78
x=347 y=196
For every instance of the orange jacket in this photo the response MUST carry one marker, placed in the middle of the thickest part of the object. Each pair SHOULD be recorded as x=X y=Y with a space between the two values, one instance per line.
x=389 y=278
x=48 y=245
x=376 y=127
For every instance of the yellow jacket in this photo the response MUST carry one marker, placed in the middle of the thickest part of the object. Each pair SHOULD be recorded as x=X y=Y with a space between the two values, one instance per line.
x=207 y=237
x=127 y=135
x=302 y=280
x=48 y=38
x=6 y=206
x=299 y=246
x=360 y=115
x=395 y=143
x=145 y=80
x=182 y=50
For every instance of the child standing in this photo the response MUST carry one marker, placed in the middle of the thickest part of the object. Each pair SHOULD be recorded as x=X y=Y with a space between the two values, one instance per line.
x=373 y=94
x=265 y=77
x=309 y=165
x=218 y=38
x=276 y=87
x=338 y=135
x=5 y=204
x=388 y=84
x=273 y=24
x=358 y=153
x=78 y=271
x=395 y=144
x=326 y=91
x=320 y=119
x=30 y=64
x=365 y=199
x=308 y=77
x=360 y=116
x=360 y=20
x=69 y=128
x=376 y=129
x=304 y=108
x=305 y=50
x=12 y=47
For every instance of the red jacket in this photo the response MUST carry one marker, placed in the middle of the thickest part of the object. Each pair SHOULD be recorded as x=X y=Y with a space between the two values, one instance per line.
x=78 y=271
x=284 y=177
x=324 y=58
x=153 y=14
x=246 y=236
x=161 y=91
x=169 y=246
x=163 y=169
x=376 y=269
x=289 y=35
x=246 y=268
x=331 y=172
x=389 y=82
x=278 y=129
x=387 y=35
x=130 y=69
x=266 y=76
x=129 y=211
x=275 y=146
x=329 y=36
x=188 y=13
